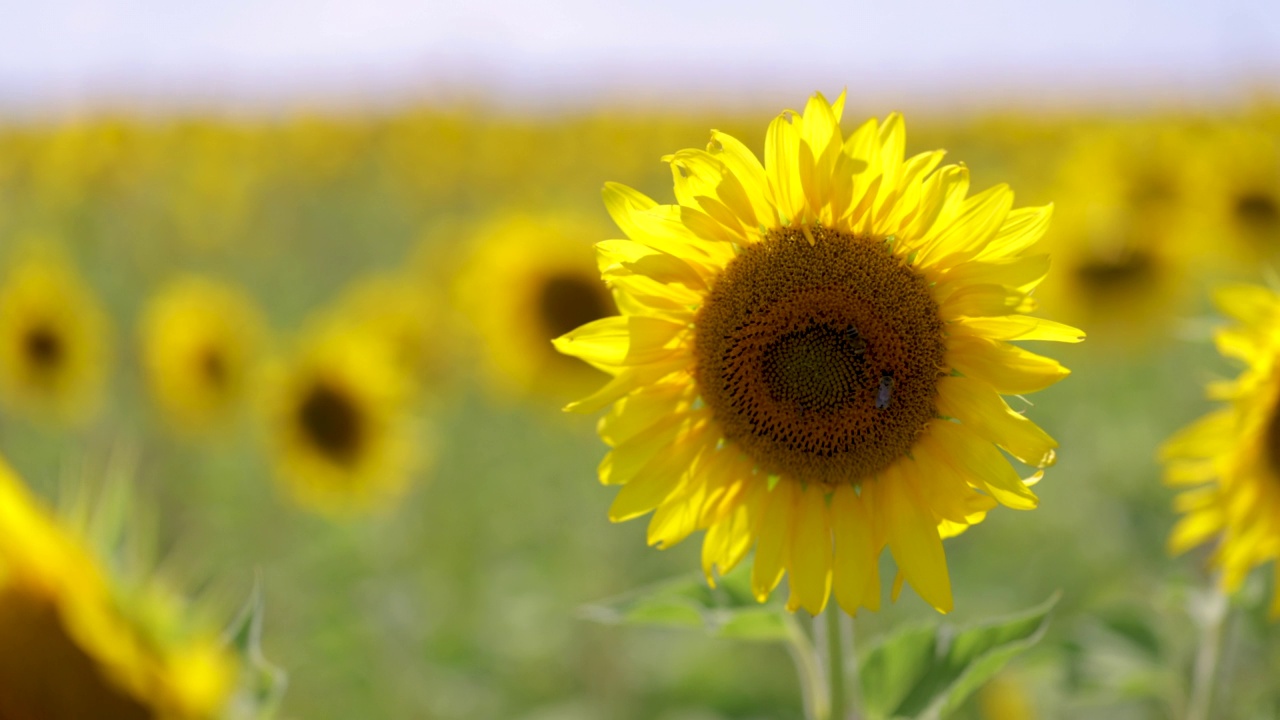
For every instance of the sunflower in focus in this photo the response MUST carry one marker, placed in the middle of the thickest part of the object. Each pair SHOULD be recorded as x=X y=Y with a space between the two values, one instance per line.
x=200 y=343
x=339 y=422
x=1230 y=458
x=1124 y=239
x=73 y=651
x=531 y=279
x=53 y=339
x=811 y=355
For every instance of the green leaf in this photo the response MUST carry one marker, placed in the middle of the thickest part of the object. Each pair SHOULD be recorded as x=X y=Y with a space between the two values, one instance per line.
x=928 y=672
x=262 y=683
x=728 y=610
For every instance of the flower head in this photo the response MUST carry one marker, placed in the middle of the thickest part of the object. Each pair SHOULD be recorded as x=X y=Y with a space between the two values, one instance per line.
x=811 y=354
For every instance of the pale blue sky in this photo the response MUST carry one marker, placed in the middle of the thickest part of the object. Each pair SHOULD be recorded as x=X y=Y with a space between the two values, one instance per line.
x=69 y=53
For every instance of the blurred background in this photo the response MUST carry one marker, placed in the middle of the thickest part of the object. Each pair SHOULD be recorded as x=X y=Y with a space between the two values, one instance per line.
x=298 y=265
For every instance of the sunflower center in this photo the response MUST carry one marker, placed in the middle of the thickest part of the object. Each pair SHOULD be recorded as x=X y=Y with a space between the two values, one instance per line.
x=44 y=347
x=820 y=361
x=332 y=422
x=1257 y=210
x=46 y=674
x=1111 y=274
x=566 y=302
x=214 y=367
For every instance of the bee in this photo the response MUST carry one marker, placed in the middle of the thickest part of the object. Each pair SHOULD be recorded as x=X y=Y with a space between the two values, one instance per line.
x=886 y=390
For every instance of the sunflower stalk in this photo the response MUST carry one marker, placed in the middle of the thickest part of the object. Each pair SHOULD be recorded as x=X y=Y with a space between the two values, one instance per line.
x=1205 y=670
x=813 y=685
x=839 y=662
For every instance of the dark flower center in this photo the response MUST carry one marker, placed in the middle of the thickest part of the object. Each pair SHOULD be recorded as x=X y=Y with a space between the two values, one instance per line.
x=44 y=347
x=571 y=301
x=1258 y=210
x=333 y=423
x=821 y=361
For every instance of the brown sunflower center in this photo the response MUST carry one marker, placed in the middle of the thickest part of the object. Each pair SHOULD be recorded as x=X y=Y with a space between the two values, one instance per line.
x=213 y=365
x=332 y=422
x=821 y=361
x=44 y=347
x=1258 y=210
x=1113 y=274
x=44 y=672
x=567 y=301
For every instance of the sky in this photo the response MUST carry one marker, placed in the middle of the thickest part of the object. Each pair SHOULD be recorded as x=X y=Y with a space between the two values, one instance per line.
x=69 y=54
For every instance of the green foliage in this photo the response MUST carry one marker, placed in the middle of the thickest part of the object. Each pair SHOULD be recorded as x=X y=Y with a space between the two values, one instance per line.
x=262 y=684
x=927 y=672
x=728 y=610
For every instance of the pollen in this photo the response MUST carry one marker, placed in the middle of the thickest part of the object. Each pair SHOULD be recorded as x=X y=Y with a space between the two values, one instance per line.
x=820 y=358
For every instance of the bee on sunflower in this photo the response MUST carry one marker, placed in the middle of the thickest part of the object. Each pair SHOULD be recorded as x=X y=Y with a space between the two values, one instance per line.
x=1229 y=460
x=54 y=344
x=811 y=354
x=201 y=342
x=72 y=647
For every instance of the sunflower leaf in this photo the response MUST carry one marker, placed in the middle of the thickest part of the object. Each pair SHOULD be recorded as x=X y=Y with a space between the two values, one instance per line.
x=728 y=610
x=263 y=683
x=928 y=672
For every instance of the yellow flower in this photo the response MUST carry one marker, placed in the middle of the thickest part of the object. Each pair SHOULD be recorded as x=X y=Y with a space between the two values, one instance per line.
x=811 y=355
x=531 y=279
x=200 y=342
x=53 y=339
x=403 y=315
x=71 y=650
x=339 y=423
x=1230 y=456
x=1241 y=193
x=1125 y=242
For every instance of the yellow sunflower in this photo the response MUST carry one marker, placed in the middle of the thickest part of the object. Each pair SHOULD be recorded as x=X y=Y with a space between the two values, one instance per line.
x=811 y=356
x=1232 y=455
x=531 y=279
x=70 y=649
x=200 y=343
x=1241 y=190
x=339 y=422
x=403 y=315
x=53 y=339
x=1125 y=242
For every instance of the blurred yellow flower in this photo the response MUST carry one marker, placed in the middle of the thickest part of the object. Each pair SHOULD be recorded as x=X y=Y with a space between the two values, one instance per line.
x=531 y=279
x=200 y=342
x=72 y=649
x=1124 y=243
x=404 y=315
x=339 y=422
x=1241 y=191
x=811 y=356
x=54 y=347
x=1230 y=458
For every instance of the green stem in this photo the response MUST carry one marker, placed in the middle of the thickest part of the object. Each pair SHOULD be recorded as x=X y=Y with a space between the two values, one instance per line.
x=835 y=662
x=853 y=683
x=1208 y=654
x=813 y=689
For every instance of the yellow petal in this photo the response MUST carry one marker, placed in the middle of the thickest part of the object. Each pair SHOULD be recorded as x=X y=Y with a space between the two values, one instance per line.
x=1194 y=530
x=625 y=382
x=810 y=562
x=742 y=163
x=992 y=419
x=1022 y=228
x=854 y=570
x=781 y=153
x=982 y=465
x=914 y=540
x=1008 y=369
x=774 y=536
x=659 y=478
x=1017 y=327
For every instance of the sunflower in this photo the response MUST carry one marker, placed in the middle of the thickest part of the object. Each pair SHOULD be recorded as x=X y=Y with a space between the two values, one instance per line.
x=531 y=279
x=396 y=311
x=339 y=423
x=53 y=339
x=811 y=356
x=1241 y=193
x=1125 y=239
x=1232 y=455
x=71 y=649
x=200 y=342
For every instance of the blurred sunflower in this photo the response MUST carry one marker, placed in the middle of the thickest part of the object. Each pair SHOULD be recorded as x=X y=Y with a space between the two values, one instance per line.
x=339 y=422
x=72 y=647
x=1232 y=455
x=200 y=342
x=811 y=356
x=403 y=315
x=531 y=279
x=53 y=339
x=1123 y=240
x=1242 y=191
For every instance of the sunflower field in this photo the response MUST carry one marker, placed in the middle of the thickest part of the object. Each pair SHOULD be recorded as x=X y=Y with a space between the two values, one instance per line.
x=283 y=428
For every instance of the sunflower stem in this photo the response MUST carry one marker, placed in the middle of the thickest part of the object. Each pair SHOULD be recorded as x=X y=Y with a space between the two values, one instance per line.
x=1205 y=670
x=835 y=661
x=813 y=687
